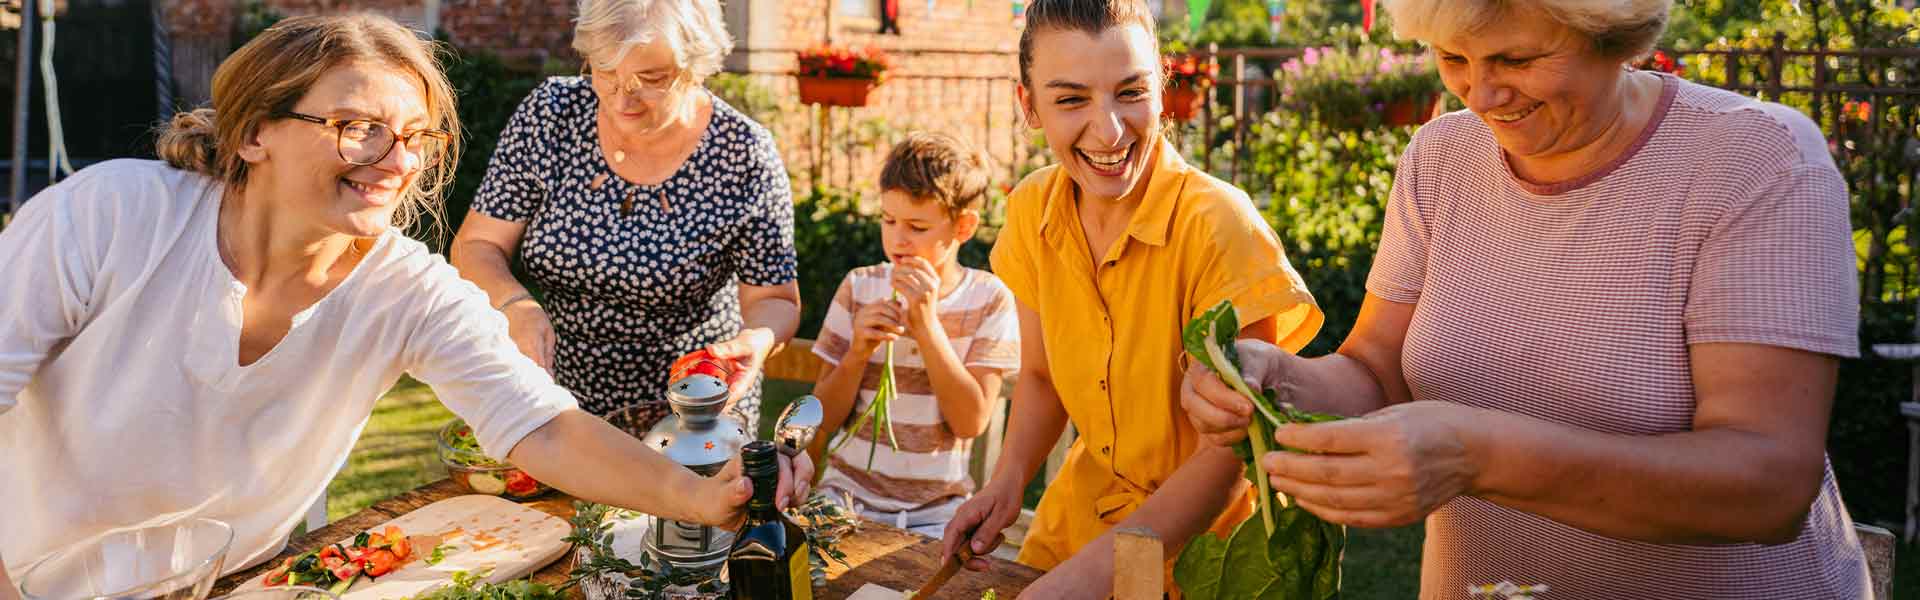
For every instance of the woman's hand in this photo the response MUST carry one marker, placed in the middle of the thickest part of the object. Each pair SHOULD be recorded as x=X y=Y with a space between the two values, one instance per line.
x=527 y=324
x=1387 y=469
x=747 y=352
x=1218 y=411
x=723 y=497
x=979 y=521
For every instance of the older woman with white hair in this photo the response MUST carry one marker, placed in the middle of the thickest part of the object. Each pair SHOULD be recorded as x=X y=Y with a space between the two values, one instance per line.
x=1600 y=340
x=656 y=219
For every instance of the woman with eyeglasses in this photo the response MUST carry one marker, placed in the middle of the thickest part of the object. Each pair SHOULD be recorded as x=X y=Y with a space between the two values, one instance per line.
x=205 y=336
x=655 y=219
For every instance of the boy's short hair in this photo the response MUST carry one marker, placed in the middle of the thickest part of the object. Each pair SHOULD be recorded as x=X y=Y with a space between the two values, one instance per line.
x=940 y=168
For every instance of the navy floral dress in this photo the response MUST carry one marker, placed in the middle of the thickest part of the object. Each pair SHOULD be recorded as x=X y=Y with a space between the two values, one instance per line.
x=637 y=275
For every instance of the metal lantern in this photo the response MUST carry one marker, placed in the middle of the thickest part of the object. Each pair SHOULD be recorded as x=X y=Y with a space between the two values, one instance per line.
x=702 y=437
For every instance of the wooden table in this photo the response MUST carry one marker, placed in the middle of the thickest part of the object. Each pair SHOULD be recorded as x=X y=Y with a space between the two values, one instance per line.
x=879 y=554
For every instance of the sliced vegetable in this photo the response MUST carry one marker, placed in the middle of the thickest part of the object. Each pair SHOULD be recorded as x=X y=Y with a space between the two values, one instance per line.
x=485 y=483
x=278 y=576
x=345 y=571
x=519 y=483
x=381 y=562
x=346 y=581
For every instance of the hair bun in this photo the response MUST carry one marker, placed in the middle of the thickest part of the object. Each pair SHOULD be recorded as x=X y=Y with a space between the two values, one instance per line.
x=187 y=141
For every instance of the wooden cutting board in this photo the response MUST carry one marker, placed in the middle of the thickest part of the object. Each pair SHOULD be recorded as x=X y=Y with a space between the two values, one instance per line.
x=481 y=532
x=876 y=592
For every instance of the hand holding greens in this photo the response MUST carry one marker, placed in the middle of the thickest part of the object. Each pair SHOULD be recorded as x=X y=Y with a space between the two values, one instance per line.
x=1291 y=554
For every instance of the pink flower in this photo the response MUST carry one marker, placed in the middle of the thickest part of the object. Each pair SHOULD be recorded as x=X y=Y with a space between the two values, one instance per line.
x=1312 y=57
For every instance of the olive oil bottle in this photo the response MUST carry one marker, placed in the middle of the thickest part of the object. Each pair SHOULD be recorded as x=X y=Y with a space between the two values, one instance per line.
x=769 y=556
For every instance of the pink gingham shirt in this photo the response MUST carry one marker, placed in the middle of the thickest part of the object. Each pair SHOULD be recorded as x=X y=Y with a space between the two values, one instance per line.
x=1577 y=302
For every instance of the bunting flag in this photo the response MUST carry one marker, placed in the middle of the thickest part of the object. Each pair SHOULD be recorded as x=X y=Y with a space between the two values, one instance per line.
x=1366 y=15
x=1276 y=13
x=1197 y=14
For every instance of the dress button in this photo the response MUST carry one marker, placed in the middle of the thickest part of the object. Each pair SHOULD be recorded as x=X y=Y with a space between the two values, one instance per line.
x=1103 y=384
x=1106 y=449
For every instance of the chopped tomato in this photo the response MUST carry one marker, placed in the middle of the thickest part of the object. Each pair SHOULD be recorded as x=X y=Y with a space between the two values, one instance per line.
x=355 y=552
x=377 y=541
x=345 y=570
x=700 y=362
x=332 y=562
x=381 y=562
x=519 y=483
x=331 y=552
x=402 y=548
x=278 y=576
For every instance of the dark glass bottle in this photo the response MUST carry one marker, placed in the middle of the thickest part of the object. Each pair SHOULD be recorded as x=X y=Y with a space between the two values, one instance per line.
x=769 y=557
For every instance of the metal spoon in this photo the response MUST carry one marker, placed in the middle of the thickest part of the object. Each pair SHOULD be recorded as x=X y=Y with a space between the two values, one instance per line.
x=798 y=424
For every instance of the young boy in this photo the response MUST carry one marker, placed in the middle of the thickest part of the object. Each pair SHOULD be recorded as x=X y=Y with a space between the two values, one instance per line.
x=955 y=335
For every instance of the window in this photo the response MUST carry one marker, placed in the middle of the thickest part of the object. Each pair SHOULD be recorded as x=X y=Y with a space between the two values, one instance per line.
x=869 y=9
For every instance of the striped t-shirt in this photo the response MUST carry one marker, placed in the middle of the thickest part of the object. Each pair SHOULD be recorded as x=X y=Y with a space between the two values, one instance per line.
x=1576 y=303
x=931 y=466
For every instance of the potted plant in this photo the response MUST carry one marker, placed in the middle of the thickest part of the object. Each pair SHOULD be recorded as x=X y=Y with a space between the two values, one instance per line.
x=1187 y=78
x=1354 y=88
x=840 y=76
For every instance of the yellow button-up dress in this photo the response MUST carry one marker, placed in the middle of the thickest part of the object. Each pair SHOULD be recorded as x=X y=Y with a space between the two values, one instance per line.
x=1112 y=331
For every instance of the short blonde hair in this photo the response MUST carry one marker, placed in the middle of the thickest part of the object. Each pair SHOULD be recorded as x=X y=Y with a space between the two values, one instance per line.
x=1621 y=29
x=696 y=30
x=278 y=67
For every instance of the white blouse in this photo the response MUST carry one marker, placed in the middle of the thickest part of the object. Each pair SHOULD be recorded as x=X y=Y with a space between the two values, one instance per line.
x=122 y=401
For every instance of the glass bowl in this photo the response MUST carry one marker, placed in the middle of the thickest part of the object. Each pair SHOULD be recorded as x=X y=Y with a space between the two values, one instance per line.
x=481 y=474
x=178 y=561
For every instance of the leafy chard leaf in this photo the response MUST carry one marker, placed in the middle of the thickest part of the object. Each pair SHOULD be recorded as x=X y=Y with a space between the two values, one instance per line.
x=1292 y=554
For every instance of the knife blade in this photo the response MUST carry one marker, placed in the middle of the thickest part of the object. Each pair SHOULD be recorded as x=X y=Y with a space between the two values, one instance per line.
x=948 y=568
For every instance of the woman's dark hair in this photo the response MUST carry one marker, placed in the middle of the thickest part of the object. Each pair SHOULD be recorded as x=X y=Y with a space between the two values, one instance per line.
x=1087 y=16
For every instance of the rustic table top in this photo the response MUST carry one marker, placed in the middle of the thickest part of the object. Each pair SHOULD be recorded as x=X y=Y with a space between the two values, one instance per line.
x=879 y=554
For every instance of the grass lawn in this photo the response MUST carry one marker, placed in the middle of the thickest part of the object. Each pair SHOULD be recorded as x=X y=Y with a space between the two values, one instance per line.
x=396 y=454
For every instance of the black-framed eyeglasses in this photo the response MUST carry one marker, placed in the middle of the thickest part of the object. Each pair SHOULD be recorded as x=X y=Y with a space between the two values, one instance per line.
x=365 y=142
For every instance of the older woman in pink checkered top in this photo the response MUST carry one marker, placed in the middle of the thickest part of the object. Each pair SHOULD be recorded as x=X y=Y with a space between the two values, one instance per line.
x=1601 y=335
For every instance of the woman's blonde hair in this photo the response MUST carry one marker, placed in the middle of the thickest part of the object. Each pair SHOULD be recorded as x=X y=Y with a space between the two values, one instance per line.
x=696 y=31
x=272 y=72
x=1618 y=29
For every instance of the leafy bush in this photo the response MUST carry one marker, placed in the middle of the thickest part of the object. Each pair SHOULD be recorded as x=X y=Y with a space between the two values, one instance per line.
x=488 y=90
x=1324 y=190
x=1353 y=87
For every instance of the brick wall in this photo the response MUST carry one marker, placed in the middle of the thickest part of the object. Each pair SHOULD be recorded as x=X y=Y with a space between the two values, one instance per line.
x=953 y=69
x=529 y=31
x=952 y=65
